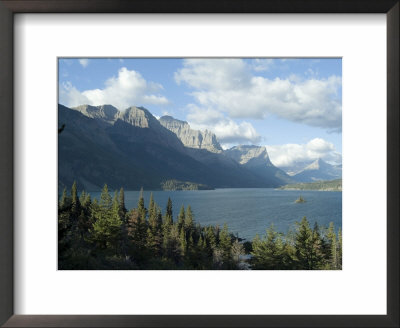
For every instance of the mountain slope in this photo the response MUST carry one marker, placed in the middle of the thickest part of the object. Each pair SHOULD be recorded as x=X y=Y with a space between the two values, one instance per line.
x=191 y=138
x=256 y=160
x=319 y=170
x=132 y=149
x=204 y=147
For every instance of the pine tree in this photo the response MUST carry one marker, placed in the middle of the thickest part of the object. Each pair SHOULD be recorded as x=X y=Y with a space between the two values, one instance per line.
x=137 y=232
x=317 y=256
x=339 y=249
x=225 y=243
x=168 y=223
x=65 y=201
x=75 y=204
x=181 y=218
x=140 y=207
x=303 y=245
x=85 y=201
x=105 y=200
x=121 y=204
x=189 y=222
x=115 y=205
x=183 y=242
x=82 y=197
x=210 y=239
x=107 y=227
x=270 y=252
x=237 y=251
x=168 y=213
x=332 y=247
x=154 y=231
x=152 y=208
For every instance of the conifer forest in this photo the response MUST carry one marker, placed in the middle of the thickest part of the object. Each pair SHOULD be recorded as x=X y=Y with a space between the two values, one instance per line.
x=102 y=234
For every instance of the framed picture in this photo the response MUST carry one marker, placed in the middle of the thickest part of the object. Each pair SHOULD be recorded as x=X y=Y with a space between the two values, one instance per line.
x=238 y=118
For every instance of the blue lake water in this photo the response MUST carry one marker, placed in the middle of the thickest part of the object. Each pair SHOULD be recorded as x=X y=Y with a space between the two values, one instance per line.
x=249 y=211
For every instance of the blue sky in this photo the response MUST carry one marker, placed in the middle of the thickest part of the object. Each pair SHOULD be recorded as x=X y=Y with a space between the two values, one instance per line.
x=292 y=106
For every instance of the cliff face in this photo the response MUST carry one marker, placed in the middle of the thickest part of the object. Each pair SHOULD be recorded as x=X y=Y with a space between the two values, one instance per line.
x=106 y=113
x=192 y=138
x=251 y=156
x=256 y=160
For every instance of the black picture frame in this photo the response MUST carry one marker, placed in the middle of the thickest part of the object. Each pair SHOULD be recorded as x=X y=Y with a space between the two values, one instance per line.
x=10 y=7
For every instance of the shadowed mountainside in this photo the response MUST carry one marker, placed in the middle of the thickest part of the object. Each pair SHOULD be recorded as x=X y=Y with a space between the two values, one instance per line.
x=133 y=149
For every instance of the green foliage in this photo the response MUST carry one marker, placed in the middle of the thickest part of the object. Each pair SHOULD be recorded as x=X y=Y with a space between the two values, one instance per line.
x=181 y=218
x=121 y=204
x=104 y=235
x=332 y=185
x=269 y=253
x=180 y=185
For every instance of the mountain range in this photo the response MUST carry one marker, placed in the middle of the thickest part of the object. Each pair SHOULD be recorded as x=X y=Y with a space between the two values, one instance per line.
x=318 y=170
x=134 y=149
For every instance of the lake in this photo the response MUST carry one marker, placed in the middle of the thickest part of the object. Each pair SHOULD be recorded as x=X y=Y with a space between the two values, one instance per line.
x=249 y=211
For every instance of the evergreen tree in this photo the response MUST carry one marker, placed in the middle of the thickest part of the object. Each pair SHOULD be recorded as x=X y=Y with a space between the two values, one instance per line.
x=140 y=207
x=172 y=245
x=137 y=232
x=211 y=240
x=189 y=222
x=339 y=249
x=317 y=256
x=152 y=208
x=121 y=203
x=168 y=213
x=269 y=253
x=107 y=229
x=237 y=251
x=75 y=204
x=86 y=202
x=82 y=197
x=105 y=200
x=303 y=245
x=65 y=201
x=225 y=243
x=181 y=218
x=168 y=223
x=183 y=242
x=332 y=247
x=154 y=232
x=115 y=205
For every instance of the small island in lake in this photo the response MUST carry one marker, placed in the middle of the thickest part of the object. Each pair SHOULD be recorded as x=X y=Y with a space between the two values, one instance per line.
x=180 y=185
x=300 y=200
x=332 y=185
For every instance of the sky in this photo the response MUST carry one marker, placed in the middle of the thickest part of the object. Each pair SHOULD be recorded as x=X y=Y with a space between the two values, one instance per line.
x=292 y=106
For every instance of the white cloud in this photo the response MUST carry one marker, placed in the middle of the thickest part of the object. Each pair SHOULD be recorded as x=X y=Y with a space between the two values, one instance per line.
x=84 y=62
x=227 y=130
x=262 y=64
x=127 y=89
x=288 y=154
x=68 y=95
x=228 y=86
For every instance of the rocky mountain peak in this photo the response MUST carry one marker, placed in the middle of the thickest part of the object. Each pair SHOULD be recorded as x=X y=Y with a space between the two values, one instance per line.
x=105 y=113
x=137 y=116
x=317 y=165
x=190 y=137
x=249 y=154
x=319 y=170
